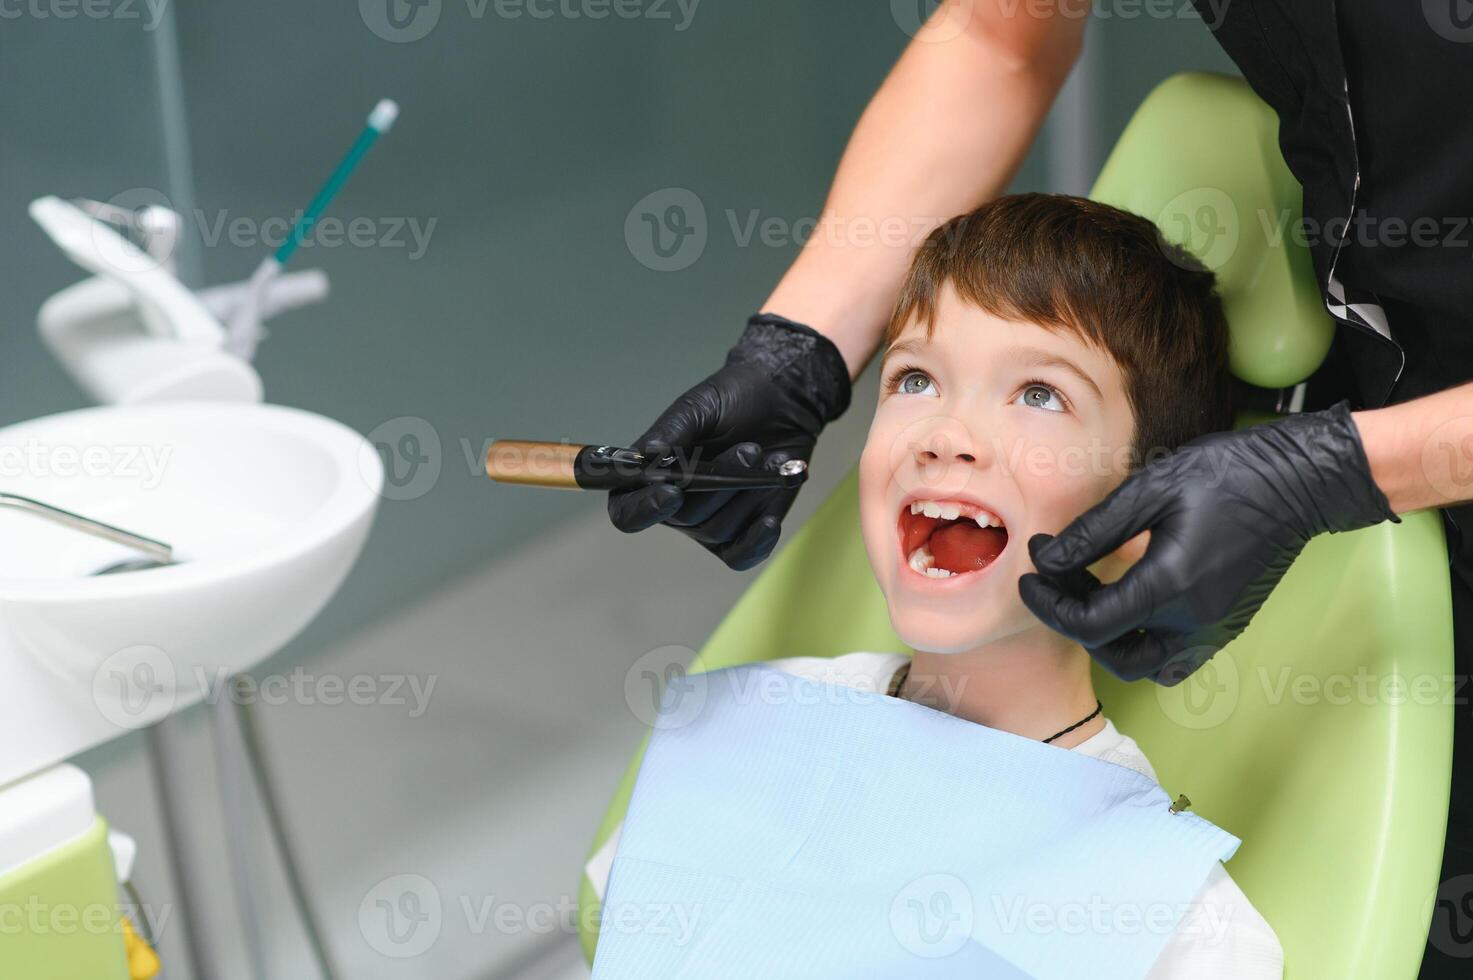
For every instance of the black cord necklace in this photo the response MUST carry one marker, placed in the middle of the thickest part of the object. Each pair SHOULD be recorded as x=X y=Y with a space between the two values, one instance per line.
x=1089 y=717
x=903 y=674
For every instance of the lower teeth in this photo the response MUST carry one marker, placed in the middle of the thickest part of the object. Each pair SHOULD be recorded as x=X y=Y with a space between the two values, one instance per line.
x=924 y=562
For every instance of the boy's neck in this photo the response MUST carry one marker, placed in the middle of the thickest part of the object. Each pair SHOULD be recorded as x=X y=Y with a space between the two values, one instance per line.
x=1033 y=684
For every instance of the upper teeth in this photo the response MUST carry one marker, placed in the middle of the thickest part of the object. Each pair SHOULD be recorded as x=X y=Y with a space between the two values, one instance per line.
x=950 y=512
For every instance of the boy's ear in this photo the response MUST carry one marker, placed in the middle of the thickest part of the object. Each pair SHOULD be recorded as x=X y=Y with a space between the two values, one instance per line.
x=1111 y=567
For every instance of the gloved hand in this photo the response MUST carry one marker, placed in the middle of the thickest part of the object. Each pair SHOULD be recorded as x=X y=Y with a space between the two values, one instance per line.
x=781 y=384
x=1228 y=514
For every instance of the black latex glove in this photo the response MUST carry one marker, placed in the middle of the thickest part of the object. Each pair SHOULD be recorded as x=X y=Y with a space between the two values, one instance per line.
x=781 y=384
x=1228 y=514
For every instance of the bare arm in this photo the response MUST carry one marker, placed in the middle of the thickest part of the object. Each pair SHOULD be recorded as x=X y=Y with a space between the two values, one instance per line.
x=945 y=133
x=1421 y=451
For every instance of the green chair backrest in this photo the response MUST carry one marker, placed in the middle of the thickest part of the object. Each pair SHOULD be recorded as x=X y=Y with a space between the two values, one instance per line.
x=1201 y=159
x=1323 y=735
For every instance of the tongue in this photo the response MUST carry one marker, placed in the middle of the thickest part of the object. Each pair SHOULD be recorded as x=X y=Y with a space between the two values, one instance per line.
x=966 y=547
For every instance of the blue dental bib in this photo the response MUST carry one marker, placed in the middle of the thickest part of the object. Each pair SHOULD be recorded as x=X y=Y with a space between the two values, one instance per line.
x=782 y=827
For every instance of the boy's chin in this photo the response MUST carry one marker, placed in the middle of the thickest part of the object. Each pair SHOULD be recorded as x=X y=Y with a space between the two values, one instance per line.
x=939 y=633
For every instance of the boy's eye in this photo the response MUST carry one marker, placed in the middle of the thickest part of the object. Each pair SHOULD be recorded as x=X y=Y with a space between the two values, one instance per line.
x=1039 y=395
x=915 y=383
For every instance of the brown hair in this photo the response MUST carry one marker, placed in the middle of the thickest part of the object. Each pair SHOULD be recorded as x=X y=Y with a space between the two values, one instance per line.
x=1104 y=275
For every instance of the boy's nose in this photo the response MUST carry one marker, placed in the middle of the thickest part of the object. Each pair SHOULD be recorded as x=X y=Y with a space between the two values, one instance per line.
x=940 y=454
x=946 y=454
x=945 y=443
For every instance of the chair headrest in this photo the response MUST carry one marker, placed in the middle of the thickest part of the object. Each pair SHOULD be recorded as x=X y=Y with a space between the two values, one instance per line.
x=1200 y=157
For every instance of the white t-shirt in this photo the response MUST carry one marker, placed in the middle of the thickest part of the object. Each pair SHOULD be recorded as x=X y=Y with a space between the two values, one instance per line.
x=1221 y=937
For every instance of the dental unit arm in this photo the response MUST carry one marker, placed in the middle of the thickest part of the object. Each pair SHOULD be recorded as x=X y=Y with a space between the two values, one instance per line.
x=132 y=332
x=158 y=228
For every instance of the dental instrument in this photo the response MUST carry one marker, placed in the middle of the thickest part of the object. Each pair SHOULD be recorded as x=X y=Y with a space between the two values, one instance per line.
x=155 y=552
x=576 y=467
x=244 y=328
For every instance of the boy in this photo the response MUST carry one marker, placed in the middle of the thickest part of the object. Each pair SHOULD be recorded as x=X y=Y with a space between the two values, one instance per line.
x=1042 y=348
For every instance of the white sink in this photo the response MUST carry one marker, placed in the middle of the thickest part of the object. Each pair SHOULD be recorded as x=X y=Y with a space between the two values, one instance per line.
x=267 y=509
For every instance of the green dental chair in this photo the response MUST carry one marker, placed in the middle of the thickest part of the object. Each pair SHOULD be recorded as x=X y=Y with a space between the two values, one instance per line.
x=1323 y=735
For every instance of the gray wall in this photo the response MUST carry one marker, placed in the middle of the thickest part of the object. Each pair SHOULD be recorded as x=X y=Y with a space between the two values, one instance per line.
x=526 y=142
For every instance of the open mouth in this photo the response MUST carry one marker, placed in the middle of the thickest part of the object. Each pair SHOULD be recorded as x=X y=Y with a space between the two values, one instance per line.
x=945 y=538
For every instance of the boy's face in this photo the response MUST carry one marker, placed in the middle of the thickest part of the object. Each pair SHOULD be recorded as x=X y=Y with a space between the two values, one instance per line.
x=985 y=416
